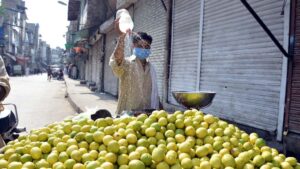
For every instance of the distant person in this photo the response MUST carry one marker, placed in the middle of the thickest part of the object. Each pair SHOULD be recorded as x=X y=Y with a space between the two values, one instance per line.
x=49 y=72
x=60 y=75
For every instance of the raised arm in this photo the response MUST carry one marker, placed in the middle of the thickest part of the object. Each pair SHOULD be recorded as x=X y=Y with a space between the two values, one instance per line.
x=117 y=59
x=118 y=54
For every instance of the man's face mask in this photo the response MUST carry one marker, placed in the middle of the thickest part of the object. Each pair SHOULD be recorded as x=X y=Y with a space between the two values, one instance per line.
x=141 y=53
x=142 y=49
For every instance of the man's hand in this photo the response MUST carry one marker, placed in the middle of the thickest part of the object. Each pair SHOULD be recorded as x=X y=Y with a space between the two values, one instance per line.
x=117 y=28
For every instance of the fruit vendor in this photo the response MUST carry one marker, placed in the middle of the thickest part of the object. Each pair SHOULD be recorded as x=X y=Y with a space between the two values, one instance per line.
x=137 y=77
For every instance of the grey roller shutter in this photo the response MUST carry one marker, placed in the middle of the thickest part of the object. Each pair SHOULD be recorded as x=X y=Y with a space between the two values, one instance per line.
x=98 y=65
x=241 y=63
x=151 y=17
x=110 y=81
x=82 y=70
x=88 y=71
x=94 y=63
x=185 y=46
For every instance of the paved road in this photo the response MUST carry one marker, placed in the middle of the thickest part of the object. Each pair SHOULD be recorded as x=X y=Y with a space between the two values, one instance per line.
x=39 y=102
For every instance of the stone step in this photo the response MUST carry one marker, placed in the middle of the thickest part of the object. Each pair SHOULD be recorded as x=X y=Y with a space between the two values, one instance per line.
x=93 y=88
x=83 y=81
x=91 y=84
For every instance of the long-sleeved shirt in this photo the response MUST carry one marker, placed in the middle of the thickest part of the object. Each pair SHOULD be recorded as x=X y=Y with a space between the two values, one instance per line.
x=135 y=83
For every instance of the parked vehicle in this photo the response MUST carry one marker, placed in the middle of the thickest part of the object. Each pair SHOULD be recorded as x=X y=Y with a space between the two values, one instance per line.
x=9 y=120
x=55 y=70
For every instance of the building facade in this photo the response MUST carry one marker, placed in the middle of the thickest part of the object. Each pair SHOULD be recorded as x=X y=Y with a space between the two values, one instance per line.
x=44 y=57
x=31 y=44
x=13 y=18
x=57 y=56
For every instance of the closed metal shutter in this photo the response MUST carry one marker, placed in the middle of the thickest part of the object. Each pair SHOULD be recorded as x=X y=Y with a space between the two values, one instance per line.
x=99 y=64
x=96 y=64
x=294 y=107
x=88 y=71
x=185 y=46
x=81 y=69
x=110 y=81
x=241 y=63
x=90 y=67
x=151 y=17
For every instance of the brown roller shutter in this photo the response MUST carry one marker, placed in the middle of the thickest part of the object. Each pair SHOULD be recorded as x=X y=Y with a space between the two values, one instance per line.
x=294 y=81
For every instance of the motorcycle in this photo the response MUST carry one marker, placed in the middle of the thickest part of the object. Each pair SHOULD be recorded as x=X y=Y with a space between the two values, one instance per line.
x=9 y=121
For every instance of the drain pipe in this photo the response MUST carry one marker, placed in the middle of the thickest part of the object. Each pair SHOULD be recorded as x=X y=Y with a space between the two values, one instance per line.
x=200 y=45
x=287 y=105
x=290 y=71
x=169 y=53
x=103 y=61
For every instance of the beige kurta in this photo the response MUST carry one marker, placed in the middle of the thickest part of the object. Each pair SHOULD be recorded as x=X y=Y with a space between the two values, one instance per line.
x=135 y=84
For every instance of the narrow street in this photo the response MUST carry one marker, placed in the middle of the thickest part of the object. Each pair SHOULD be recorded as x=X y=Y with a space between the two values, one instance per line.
x=39 y=102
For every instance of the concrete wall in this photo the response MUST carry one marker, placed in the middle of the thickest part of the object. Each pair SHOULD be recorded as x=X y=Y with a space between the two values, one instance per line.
x=96 y=13
x=93 y=13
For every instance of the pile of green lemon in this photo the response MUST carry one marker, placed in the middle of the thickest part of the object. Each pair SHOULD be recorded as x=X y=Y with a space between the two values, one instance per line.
x=182 y=140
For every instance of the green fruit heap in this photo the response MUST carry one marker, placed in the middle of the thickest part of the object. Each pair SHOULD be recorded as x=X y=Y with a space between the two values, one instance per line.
x=182 y=140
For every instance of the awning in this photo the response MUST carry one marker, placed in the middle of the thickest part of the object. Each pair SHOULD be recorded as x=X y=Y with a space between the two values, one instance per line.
x=69 y=45
x=81 y=35
x=10 y=56
x=80 y=50
x=22 y=58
